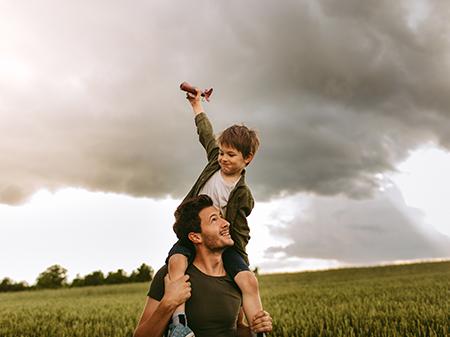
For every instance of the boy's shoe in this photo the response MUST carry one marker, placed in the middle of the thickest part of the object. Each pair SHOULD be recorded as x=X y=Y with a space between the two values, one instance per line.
x=179 y=330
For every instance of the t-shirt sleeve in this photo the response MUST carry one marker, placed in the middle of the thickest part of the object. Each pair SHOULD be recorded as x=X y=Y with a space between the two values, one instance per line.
x=156 y=290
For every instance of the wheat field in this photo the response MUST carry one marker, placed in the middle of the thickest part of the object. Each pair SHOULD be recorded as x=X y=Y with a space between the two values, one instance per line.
x=406 y=300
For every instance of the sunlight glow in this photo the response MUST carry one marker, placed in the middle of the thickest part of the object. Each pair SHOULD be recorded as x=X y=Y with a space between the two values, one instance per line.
x=14 y=71
x=424 y=179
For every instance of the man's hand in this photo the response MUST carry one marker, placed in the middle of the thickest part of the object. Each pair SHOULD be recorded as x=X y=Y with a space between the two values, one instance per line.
x=196 y=101
x=176 y=291
x=262 y=322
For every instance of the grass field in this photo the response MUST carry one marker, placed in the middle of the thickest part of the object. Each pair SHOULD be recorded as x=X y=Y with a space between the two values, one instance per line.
x=408 y=300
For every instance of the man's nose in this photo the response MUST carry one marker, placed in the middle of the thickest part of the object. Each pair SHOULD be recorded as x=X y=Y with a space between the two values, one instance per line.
x=225 y=223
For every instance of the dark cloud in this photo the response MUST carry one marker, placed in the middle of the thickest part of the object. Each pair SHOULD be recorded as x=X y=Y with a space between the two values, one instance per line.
x=360 y=231
x=339 y=91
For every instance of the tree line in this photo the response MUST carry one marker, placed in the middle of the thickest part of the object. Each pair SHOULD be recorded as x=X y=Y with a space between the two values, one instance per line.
x=56 y=277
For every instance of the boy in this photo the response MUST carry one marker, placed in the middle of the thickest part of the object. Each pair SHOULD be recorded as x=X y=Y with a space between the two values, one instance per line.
x=223 y=179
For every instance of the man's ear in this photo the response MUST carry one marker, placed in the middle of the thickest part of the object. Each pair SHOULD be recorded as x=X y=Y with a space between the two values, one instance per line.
x=195 y=237
x=248 y=159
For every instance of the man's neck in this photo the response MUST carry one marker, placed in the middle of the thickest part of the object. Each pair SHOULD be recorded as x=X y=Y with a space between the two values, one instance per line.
x=209 y=263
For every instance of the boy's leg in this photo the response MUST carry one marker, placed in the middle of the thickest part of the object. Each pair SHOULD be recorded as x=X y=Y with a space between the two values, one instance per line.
x=177 y=263
x=177 y=266
x=251 y=301
x=239 y=270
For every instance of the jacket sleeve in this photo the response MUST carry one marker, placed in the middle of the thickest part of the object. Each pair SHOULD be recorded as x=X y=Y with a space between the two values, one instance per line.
x=240 y=224
x=206 y=136
x=246 y=203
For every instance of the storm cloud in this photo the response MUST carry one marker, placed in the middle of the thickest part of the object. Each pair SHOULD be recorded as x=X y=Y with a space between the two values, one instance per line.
x=380 y=229
x=339 y=92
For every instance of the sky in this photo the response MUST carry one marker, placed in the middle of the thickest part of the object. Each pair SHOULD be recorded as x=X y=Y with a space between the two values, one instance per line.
x=350 y=100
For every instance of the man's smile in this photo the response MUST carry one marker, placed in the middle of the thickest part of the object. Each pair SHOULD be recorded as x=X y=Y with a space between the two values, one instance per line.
x=225 y=233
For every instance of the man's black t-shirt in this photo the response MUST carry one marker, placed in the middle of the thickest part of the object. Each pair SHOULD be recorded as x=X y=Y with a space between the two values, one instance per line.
x=213 y=308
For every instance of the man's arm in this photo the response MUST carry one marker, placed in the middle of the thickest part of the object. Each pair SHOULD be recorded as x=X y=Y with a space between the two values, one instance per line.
x=156 y=313
x=261 y=323
x=154 y=319
x=243 y=330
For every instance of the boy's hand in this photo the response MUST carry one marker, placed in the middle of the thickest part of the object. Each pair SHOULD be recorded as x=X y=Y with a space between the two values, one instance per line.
x=178 y=291
x=196 y=101
x=262 y=322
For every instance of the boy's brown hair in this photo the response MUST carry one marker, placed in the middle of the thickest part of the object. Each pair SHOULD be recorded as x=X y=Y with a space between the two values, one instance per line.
x=241 y=138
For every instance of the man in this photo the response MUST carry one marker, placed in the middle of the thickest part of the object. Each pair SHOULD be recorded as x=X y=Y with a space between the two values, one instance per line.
x=214 y=304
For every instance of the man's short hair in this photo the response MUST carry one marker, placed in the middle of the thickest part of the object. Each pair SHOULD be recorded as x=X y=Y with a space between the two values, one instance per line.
x=241 y=138
x=187 y=217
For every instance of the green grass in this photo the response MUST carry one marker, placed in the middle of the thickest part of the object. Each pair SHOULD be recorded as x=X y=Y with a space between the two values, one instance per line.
x=407 y=300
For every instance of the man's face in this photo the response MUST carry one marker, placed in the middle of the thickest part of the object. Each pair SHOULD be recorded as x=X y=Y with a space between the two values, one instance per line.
x=215 y=229
x=231 y=160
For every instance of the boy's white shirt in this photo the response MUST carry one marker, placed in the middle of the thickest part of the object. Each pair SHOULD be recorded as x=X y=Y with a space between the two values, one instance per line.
x=219 y=191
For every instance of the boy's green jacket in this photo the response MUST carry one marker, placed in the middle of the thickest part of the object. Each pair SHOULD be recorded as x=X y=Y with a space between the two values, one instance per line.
x=240 y=201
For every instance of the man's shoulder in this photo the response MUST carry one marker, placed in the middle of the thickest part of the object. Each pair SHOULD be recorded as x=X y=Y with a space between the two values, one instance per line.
x=161 y=272
x=156 y=290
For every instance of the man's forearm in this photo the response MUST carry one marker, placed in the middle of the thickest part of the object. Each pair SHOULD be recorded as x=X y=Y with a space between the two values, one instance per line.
x=156 y=325
x=244 y=331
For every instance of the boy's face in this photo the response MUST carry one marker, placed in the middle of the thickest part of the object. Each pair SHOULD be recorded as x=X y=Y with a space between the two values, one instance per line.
x=231 y=161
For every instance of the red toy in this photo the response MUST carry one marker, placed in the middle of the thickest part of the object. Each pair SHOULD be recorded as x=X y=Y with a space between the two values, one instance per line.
x=185 y=86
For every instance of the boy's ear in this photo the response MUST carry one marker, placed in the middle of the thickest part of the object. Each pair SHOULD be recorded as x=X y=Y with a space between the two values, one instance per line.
x=248 y=159
x=195 y=237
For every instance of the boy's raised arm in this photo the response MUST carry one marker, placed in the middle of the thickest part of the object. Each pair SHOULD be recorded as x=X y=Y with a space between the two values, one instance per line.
x=196 y=101
x=204 y=127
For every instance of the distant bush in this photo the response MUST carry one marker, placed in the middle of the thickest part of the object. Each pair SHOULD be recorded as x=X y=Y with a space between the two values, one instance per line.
x=56 y=277
x=9 y=285
x=53 y=277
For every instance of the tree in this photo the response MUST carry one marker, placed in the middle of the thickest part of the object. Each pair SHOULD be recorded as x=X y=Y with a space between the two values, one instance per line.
x=116 y=277
x=53 y=277
x=18 y=286
x=143 y=274
x=94 y=279
x=6 y=284
x=78 y=281
x=9 y=285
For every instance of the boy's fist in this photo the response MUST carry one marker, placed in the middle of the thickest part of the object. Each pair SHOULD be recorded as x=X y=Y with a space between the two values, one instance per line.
x=195 y=100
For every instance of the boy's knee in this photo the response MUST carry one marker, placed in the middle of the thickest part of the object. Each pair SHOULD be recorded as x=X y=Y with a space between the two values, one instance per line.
x=247 y=281
x=177 y=265
x=177 y=258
